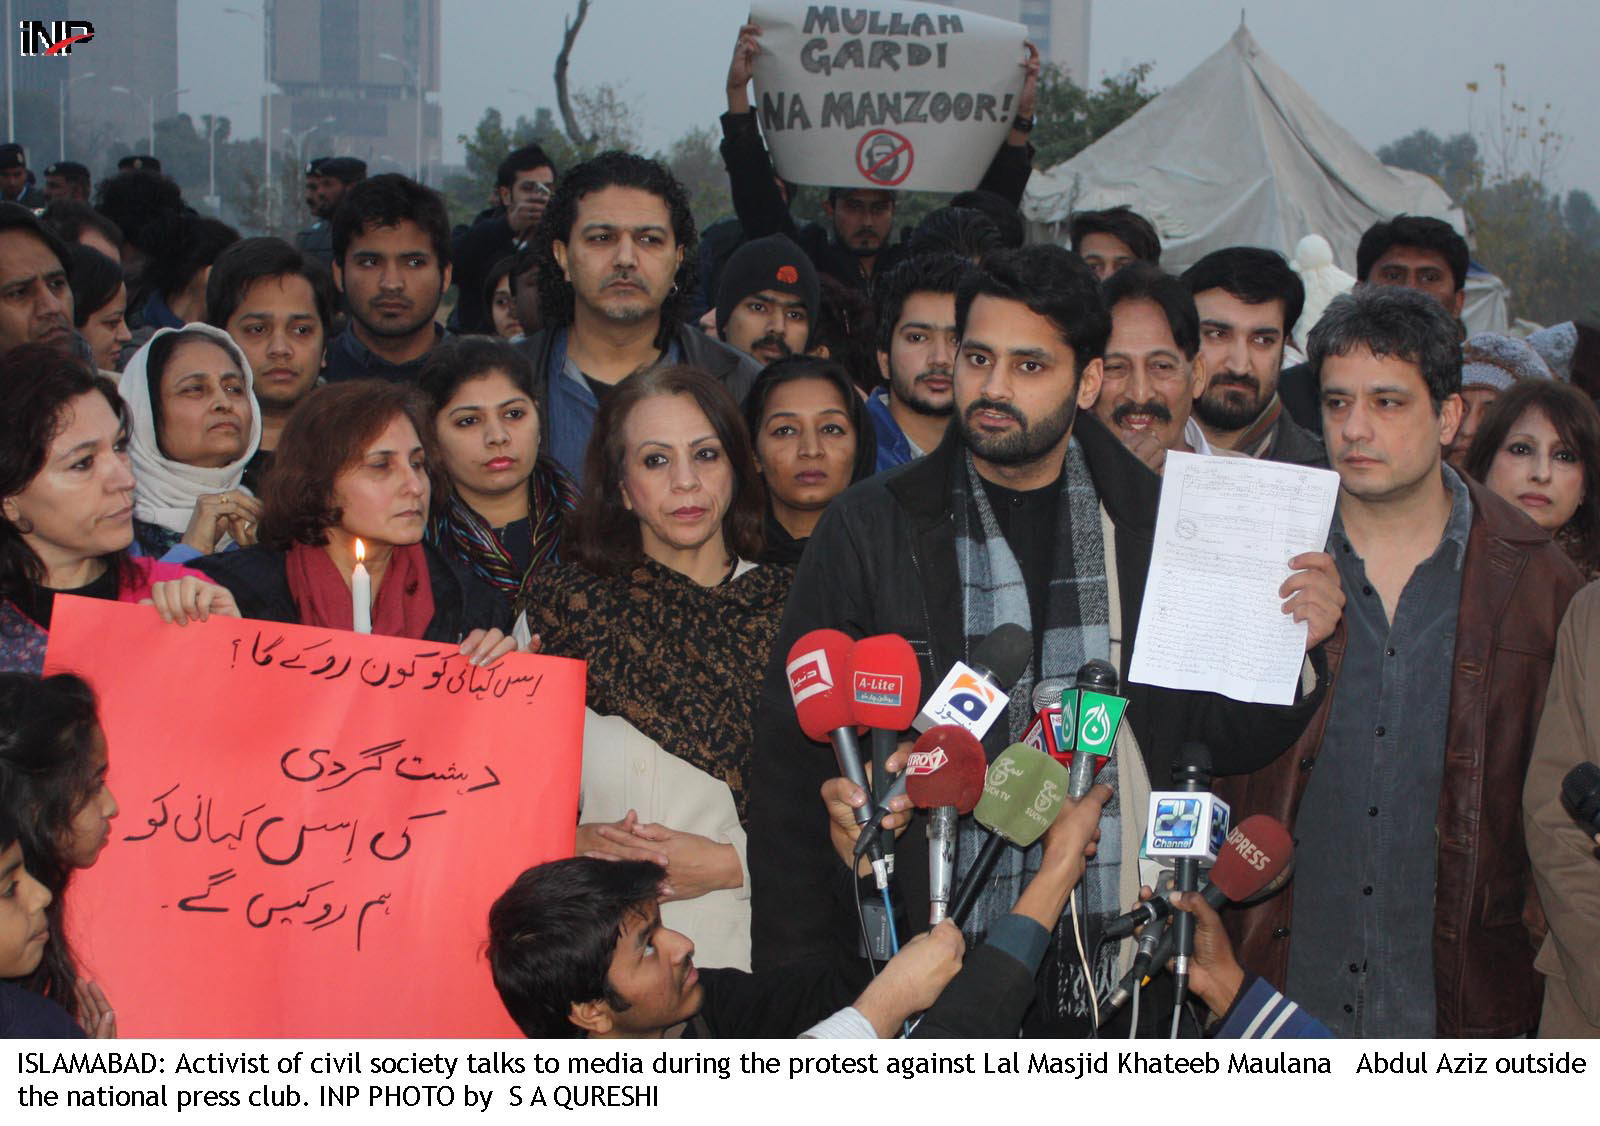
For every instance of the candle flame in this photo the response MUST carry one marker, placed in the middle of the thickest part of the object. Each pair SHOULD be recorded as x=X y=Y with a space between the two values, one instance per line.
x=361 y=552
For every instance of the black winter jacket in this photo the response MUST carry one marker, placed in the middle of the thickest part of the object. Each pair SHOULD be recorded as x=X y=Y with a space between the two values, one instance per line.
x=259 y=582
x=883 y=560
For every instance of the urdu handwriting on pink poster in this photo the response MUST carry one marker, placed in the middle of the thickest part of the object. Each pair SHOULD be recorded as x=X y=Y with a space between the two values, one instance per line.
x=314 y=823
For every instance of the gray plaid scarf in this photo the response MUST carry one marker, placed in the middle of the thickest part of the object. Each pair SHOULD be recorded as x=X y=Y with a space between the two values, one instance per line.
x=1076 y=629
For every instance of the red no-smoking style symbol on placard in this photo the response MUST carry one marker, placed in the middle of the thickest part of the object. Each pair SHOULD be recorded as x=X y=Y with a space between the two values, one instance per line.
x=884 y=157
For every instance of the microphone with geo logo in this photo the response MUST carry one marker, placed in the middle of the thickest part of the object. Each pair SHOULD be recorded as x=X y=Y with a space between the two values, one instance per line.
x=975 y=695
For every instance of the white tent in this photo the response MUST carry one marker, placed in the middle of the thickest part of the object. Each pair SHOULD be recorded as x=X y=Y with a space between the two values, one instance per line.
x=1236 y=154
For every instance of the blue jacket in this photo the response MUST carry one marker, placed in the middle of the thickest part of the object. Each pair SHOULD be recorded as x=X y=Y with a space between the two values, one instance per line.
x=570 y=405
x=894 y=448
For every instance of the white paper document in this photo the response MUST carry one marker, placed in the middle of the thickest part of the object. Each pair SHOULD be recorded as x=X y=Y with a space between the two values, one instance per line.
x=1212 y=619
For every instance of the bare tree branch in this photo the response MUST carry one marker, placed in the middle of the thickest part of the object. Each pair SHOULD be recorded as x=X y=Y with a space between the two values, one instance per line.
x=568 y=38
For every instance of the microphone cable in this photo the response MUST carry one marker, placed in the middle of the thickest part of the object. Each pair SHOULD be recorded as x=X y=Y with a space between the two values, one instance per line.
x=1083 y=959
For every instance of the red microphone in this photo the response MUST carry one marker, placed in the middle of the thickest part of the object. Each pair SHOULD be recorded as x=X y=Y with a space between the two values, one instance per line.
x=816 y=663
x=948 y=792
x=885 y=689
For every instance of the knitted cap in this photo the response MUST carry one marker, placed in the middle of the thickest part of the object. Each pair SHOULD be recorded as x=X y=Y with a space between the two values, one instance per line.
x=12 y=156
x=1492 y=359
x=770 y=264
x=1555 y=346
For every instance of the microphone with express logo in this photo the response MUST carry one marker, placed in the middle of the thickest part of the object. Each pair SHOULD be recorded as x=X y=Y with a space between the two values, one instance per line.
x=975 y=695
x=945 y=761
x=1258 y=851
x=1256 y=862
x=1580 y=792
x=948 y=793
x=1023 y=792
x=885 y=685
x=823 y=708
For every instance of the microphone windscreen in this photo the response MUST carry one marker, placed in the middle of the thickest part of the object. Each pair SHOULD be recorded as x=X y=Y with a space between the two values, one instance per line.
x=1098 y=676
x=1005 y=653
x=1257 y=852
x=1022 y=793
x=1047 y=692
x=946 y=768
x=1581 y=790
x=816 y=662
x=885 y=682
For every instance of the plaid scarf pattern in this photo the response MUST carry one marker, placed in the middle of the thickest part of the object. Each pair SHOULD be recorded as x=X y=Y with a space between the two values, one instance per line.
x=460 y=530
x=1076 y=629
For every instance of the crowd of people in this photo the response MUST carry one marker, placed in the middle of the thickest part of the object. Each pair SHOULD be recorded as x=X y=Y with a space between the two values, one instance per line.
x=585 y=425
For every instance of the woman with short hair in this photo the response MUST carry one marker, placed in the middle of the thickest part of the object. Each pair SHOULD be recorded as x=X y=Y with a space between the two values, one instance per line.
x=356 y=465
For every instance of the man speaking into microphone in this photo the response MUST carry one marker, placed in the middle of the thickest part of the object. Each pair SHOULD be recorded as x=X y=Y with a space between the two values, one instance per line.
x=1025 y=514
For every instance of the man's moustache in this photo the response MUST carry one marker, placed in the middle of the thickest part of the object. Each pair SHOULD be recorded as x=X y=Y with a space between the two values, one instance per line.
x=1153 y=408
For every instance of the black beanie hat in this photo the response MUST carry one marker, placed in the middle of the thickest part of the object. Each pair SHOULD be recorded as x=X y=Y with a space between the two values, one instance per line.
x=773 y=263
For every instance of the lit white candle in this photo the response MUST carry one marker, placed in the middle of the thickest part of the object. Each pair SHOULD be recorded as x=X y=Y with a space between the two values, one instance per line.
x=361 y=592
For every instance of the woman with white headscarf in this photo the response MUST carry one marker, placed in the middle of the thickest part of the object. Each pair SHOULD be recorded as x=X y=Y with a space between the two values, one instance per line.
x=194 y=425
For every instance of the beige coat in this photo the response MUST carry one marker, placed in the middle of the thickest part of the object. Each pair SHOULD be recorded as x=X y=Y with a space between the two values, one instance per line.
x=1565 y=866
x=625 y=769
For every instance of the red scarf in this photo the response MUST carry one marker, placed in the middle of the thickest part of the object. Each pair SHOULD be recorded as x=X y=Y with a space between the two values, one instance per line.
x=403 y=606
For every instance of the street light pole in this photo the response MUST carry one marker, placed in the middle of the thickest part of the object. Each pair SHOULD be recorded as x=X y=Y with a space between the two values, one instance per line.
x=61 y=115
x=266 y=131
x=416 y=75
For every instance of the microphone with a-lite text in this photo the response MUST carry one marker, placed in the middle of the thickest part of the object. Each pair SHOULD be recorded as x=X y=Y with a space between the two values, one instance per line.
x=948 y=793
x=975 y=695
x=1022 y=794
x=816 y=663
x=945 y=761
x=1256 y=861
x=885 y=685
x=1580 y=792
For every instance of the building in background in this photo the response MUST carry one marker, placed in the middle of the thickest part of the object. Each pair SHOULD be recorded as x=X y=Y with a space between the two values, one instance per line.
x=1059 y=28
x=349 y=75
x=135 y=47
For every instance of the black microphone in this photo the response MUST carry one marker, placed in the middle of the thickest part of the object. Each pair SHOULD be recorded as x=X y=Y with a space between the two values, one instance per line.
x=1100 y=677
x=1580 y=791
x=974 y=695
x=1190 y=774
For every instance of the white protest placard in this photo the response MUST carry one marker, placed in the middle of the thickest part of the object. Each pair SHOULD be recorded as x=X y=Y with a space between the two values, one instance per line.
x=895 y=95
x=1212 y=619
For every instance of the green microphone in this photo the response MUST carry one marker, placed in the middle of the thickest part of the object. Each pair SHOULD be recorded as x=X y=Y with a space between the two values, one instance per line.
x=1022 y=794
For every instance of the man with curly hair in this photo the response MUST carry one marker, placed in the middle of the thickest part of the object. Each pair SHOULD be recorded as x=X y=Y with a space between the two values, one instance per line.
x=616 y=254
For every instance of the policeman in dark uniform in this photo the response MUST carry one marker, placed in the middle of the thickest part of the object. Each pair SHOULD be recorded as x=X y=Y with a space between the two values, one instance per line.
x=14 y=180
x=334 y=175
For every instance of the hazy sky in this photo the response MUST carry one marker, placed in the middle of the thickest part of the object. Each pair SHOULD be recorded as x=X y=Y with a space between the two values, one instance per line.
x=1381 y=67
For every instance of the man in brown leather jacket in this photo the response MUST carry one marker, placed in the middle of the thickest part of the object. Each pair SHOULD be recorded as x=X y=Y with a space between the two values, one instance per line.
x=1412 y=912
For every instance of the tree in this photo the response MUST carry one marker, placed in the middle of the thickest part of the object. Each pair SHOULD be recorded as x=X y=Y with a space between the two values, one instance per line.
x=1454 y=162
x=1546 y=250
x=695 y=160
x=1071 y=118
